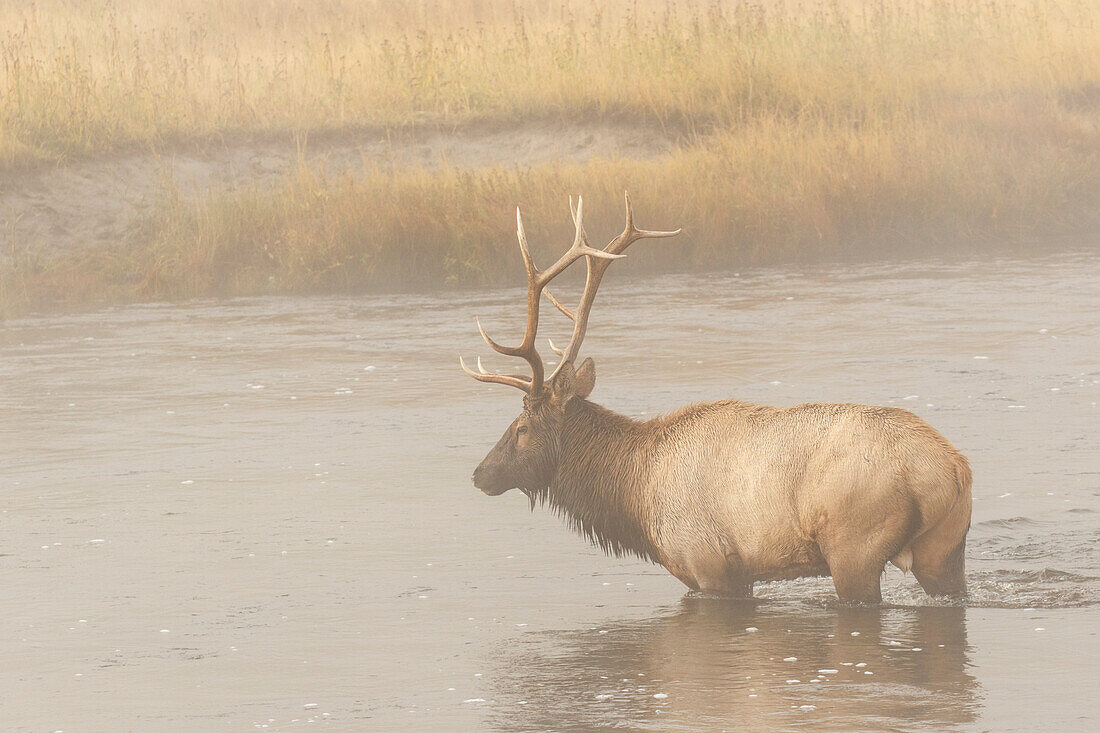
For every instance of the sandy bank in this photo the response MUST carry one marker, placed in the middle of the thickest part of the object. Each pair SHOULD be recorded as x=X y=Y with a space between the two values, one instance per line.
x=98 y=201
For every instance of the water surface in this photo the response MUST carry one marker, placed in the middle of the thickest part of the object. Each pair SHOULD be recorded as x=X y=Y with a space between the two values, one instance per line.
x=222 y=516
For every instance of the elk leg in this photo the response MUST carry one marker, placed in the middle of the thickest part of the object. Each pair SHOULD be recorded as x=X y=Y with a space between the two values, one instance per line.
x=857 y=556
x=857 y=581
x=733 y=584
x=729 y=576
x=940 y=574
x=939 y=555
x=856 y=566
x=712 y=573
x=739 y=588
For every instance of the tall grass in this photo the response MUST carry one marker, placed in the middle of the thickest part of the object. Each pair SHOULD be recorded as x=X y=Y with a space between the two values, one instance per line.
x=805 y=130
x=766 y=193
x=82 y=77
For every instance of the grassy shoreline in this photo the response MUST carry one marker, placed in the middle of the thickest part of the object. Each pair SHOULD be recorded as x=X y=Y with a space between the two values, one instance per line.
x=808 y=131
x=405 y=230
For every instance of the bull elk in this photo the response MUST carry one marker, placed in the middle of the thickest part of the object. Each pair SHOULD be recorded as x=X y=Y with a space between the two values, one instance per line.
x=724 y=494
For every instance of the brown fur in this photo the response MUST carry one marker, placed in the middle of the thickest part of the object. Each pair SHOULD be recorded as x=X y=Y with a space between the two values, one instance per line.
x=724 y=494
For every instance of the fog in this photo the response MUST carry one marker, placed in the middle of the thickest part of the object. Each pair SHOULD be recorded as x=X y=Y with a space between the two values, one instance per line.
x=219 y=515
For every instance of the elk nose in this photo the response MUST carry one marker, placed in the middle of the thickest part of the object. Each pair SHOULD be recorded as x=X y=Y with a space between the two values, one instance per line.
x=478 y=477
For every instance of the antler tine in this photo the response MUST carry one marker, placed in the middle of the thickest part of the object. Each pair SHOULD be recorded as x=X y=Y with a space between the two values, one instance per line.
x=536 y=281
x=555 y=349
x=597 y=261
x=482 y=370
x=528 y=263
x=632 y=234
x=492 y=344
x=568 y=312
x=596 y=269
x=579 y=249
x=481 y=375
x=526 y=350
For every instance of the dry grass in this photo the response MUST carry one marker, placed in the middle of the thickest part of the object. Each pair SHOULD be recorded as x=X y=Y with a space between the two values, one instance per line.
x=808 y=129
x=80 y=77
x=807 y=194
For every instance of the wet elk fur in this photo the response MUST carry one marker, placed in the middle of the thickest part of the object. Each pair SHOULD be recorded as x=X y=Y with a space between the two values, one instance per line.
x=724 y=494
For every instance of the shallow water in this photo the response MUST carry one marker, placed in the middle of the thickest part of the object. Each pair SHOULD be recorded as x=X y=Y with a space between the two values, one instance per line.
x=222 y=516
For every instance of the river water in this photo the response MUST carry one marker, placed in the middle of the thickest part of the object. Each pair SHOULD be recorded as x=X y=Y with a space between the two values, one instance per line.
x=258 y=514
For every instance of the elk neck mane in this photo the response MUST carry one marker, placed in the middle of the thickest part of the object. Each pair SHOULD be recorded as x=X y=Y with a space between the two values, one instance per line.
x=600 y=487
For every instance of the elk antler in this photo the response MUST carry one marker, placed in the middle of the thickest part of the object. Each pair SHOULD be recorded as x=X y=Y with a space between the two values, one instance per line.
x=596 y=270
x=536 y=283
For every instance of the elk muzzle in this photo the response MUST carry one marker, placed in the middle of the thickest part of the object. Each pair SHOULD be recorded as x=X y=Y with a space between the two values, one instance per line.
x=490 y=477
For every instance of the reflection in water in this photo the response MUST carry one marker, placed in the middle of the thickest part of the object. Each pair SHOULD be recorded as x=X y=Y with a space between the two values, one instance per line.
x=283 y=485
x=714 y=664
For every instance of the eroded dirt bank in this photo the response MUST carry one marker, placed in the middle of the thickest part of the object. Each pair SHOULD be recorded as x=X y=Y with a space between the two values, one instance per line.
x=97 y=201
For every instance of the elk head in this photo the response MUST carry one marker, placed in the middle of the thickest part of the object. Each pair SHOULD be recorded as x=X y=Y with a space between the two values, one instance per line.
x=527 y=455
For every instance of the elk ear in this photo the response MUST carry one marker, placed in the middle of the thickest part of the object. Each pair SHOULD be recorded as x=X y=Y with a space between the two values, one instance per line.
x=571 y=382
x=564 y=385
x=585 y=379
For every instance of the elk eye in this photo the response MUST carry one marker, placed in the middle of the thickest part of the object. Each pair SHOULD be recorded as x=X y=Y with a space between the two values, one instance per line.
x=521 y=430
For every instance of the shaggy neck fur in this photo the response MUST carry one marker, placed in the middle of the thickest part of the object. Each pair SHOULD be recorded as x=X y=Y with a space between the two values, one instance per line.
x=599 y=485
